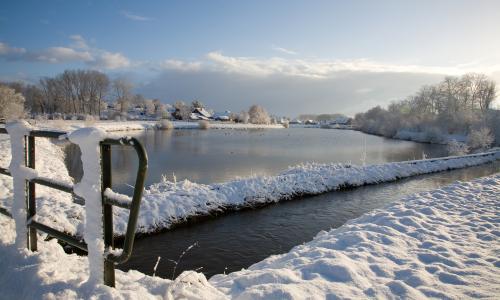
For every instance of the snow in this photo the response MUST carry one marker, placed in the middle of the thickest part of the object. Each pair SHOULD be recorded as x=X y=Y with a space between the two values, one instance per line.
x=429 y=137
x=439 y=244
x=121 y=198
x=17 y=168
x=89 y=188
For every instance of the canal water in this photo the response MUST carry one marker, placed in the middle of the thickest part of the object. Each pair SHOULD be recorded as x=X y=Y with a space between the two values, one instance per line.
x=216 y=155
x=239 y=239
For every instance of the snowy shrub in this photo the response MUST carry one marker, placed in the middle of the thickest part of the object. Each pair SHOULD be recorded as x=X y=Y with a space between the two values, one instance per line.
x=203 y=124
x=480 y=139
x=456 y=148
x=258 y=115
x=243 y=117
x=286 y=124
x=165 y=124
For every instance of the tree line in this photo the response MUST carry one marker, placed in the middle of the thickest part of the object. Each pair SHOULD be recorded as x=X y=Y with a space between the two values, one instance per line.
x=456 y=105
x=78 y=92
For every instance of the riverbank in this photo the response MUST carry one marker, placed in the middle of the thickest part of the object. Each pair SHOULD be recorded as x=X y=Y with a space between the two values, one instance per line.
x=437 y=244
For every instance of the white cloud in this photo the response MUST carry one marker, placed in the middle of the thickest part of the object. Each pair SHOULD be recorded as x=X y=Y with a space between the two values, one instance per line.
x=135 y=17
x=284 y=50
x=320 y=68
x=56 y=55
x=8 y=50
x=173 y=64
x=109 y=60
x=77 y=51
x=78 y=42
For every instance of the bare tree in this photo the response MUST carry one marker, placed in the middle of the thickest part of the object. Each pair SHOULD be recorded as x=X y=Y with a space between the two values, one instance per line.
x=122 y=92
x=11 y=103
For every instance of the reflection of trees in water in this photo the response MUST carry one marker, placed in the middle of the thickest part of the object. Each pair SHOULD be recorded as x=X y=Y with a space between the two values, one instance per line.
x=414 y=151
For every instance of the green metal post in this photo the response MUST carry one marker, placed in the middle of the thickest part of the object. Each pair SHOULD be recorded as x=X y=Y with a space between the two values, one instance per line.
x=107 y=210
x=31 y=209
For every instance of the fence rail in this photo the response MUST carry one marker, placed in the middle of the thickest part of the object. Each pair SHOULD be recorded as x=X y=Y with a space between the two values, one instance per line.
x=110 y=260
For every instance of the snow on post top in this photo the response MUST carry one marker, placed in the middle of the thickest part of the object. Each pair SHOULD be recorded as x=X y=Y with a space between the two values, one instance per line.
x=89 y=188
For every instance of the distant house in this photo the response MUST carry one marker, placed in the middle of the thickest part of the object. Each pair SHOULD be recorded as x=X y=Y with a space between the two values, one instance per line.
x=295 y=121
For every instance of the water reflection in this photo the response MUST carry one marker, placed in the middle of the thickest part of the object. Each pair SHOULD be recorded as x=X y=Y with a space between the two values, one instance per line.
x=208 y=156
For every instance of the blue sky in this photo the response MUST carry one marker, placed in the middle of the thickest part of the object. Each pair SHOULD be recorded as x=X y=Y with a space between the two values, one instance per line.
x=258 y=42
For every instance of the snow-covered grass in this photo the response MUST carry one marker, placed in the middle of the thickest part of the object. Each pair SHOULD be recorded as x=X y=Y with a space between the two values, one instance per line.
x=439 y=244
x=434 y=137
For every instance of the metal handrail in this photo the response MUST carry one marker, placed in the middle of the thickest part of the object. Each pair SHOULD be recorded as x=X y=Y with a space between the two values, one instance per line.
x=107 y=201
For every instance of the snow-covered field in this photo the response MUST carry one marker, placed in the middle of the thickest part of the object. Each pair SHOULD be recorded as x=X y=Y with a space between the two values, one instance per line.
x=167 y=203
x=439 y=244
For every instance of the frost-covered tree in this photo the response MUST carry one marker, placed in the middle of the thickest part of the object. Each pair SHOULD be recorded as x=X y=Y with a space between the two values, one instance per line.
x=11 y=103
x=182 y=110
x=480 y=139
x=258 y=115
x=197 y=104
x=457 y=148
x=243 y=117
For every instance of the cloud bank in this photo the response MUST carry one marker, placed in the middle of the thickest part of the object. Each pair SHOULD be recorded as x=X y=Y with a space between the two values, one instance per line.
x=77 y=52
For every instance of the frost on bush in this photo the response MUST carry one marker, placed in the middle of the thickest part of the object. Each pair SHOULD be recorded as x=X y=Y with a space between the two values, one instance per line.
x=164 y=124
x=480 y=139
x=203 y=124
x=456 y=148
x=258 y=115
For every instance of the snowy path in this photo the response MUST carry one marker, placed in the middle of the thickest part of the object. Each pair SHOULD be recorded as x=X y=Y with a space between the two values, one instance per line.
x=439 y=244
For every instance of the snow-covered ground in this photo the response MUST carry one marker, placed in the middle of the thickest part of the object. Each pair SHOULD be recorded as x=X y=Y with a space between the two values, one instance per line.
x=109 y=126
x=439 y=244
x=425 y=137
x=167 y=203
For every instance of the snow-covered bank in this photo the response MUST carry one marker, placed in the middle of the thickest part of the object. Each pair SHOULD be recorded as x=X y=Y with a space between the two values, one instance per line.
x=429 y=137
x=110 y=126
x=440 y=244
x=167 y=203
